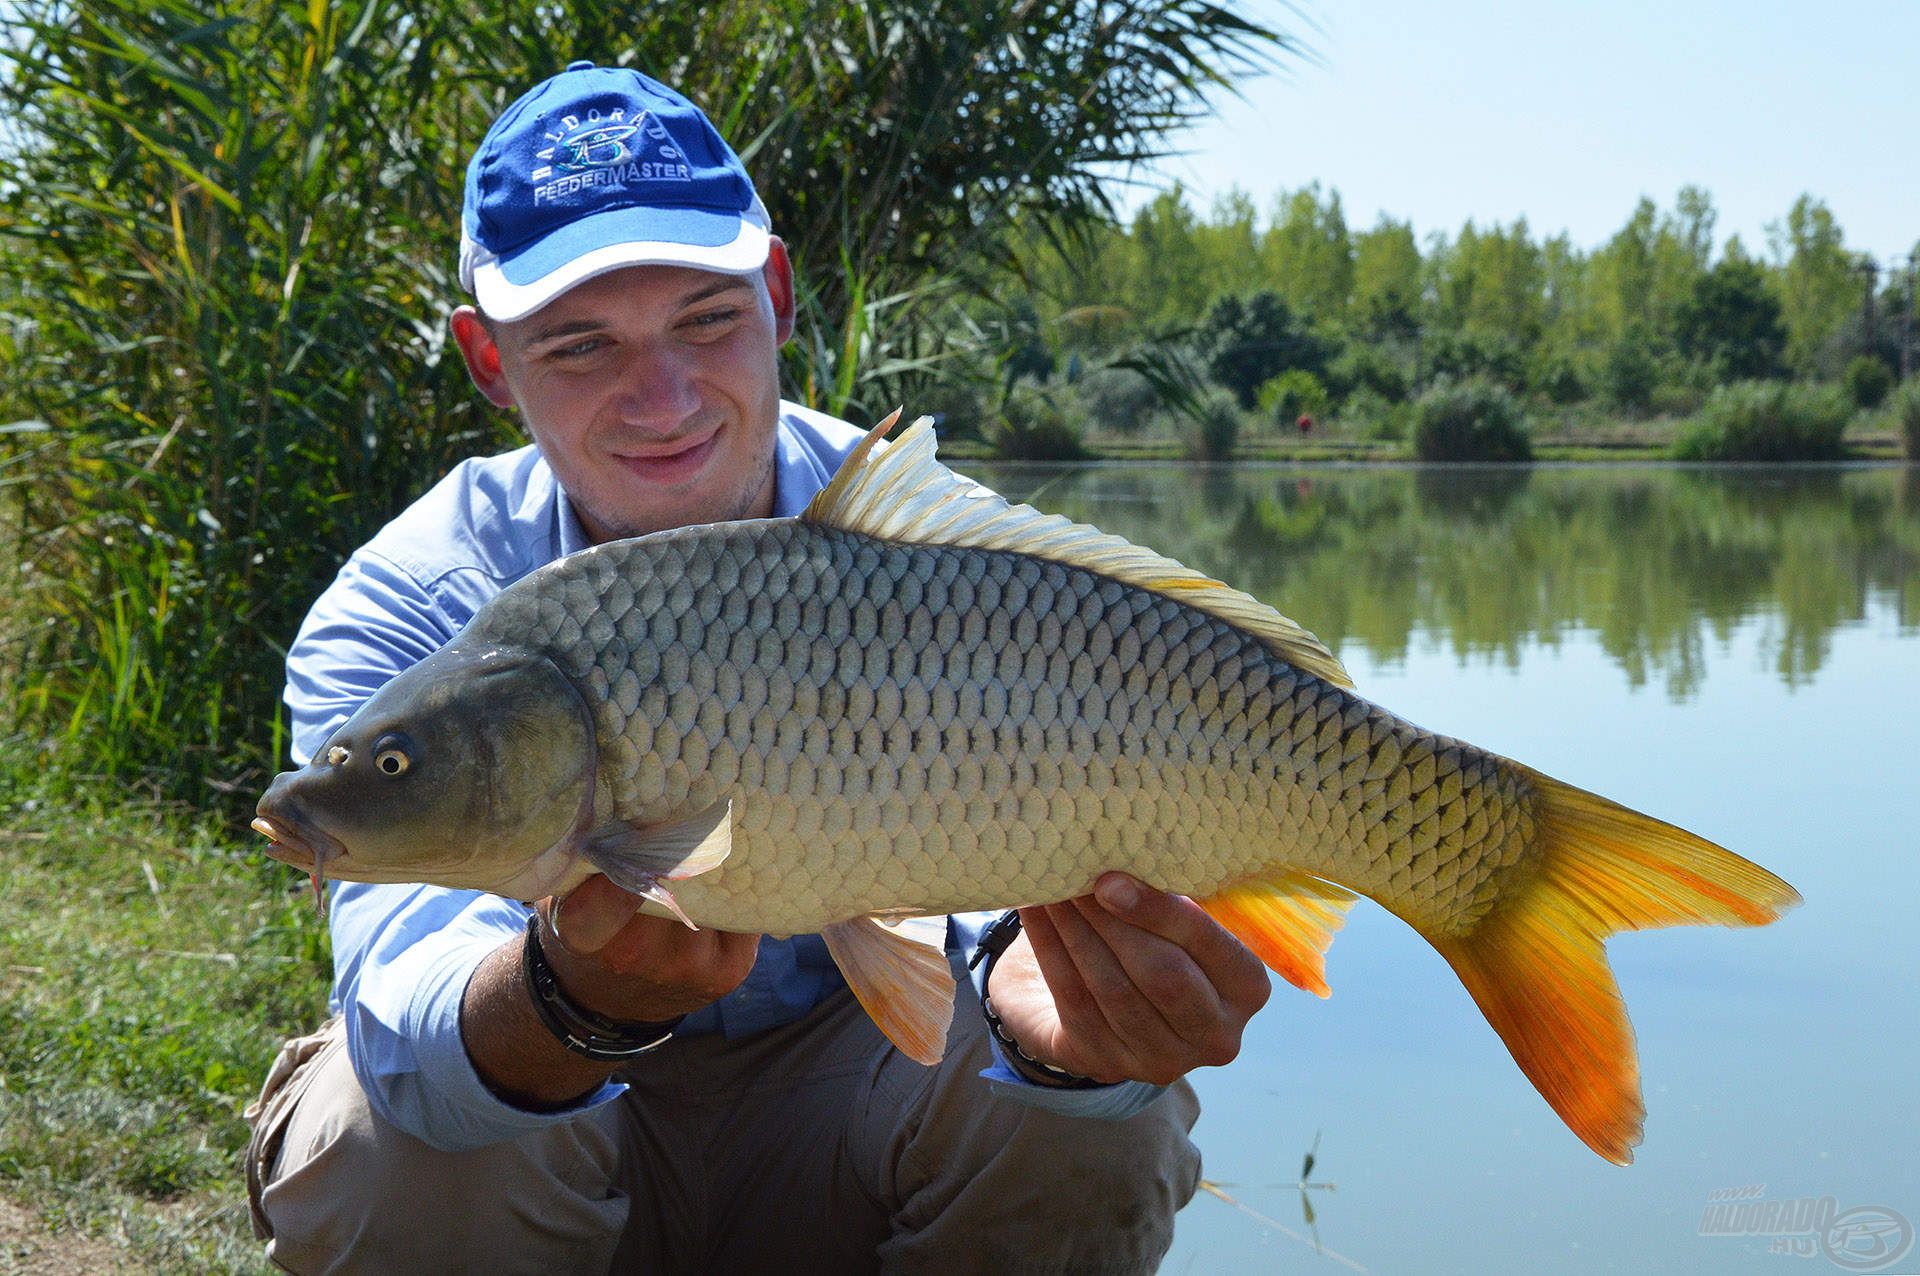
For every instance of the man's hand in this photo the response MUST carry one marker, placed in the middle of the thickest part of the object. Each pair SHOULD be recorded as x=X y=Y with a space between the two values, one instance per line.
x=611 y=958
x=625 y=964
x=1128 y=983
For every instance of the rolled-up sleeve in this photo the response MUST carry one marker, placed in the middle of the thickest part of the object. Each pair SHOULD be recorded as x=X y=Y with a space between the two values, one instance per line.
x=403 y=953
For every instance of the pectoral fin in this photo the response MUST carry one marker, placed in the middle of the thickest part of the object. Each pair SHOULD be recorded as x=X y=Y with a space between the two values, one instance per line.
x=638 y=857
x=900 y=974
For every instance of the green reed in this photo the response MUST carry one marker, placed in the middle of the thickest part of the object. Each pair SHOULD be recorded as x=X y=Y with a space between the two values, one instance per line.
x=227 y=233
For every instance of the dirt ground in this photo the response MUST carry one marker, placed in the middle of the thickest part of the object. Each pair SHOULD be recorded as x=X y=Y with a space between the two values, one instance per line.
x=29 y=1249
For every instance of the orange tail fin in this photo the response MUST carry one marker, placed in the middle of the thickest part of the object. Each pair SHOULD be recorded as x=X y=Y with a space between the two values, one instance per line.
x=1536 y=967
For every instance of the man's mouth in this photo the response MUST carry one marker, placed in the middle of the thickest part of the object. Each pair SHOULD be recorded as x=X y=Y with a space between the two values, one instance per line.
x=674 y=463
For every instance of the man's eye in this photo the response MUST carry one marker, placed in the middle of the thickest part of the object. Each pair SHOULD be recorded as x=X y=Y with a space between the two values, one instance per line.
x=577 y=349
x=714 y=318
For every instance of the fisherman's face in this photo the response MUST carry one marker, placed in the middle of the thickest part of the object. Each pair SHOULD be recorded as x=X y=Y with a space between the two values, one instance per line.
x=652 y=391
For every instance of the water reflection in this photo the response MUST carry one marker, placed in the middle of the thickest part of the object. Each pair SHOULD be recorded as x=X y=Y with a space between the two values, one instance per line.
x=1654 y=561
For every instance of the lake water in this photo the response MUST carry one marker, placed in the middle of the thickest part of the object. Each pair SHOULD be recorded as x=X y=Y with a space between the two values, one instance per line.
x=1736 y=650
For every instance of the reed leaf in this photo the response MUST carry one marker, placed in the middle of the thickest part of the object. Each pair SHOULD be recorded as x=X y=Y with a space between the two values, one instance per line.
x=227 y=229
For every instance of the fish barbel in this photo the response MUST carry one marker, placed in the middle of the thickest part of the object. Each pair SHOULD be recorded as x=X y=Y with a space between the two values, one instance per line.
x=916 y=699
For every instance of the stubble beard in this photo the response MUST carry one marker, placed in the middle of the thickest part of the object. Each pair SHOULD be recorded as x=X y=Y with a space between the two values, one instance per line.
x=736 y=503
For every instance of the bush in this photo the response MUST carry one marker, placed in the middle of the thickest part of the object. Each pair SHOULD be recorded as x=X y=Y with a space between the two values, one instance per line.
x=1671 y=398
x=1293 y=392
x=1470 y=421
x=1117 y=399
x=1558 y=377
x=1033 y=428
x=1904 y=406
x=1868 y=380
x=1216 y=428
x=1377 y=417
x=1364 y=367
x=1767 y=421
x=1630 y=372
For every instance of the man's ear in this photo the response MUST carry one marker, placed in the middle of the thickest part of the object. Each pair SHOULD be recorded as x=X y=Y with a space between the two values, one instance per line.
x=779 y=276
x=482 y=355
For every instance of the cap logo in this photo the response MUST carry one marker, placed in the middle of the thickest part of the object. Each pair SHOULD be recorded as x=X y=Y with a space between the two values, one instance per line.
x=602 y=150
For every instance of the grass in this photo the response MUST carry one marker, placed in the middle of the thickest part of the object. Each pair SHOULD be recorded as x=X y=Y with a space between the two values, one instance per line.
x=149 y=969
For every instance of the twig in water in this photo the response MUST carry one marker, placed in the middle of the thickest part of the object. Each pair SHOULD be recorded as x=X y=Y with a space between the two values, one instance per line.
x=1214 y=1189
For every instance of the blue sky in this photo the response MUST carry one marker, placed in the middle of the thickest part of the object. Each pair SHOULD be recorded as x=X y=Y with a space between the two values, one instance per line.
x=1566 y=113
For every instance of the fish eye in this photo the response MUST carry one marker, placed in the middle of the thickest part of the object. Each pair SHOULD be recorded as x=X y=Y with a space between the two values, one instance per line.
x=391 y=756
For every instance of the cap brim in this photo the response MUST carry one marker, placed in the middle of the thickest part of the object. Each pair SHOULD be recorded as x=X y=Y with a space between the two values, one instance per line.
x=513 y=286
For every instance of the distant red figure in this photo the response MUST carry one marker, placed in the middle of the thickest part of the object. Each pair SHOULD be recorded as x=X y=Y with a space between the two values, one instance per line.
x=1305 y=423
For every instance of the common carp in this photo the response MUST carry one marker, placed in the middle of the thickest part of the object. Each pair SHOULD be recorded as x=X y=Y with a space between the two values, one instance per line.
x=916 y=699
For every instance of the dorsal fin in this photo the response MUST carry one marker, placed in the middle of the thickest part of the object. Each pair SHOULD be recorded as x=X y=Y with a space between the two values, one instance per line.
x=901 y=493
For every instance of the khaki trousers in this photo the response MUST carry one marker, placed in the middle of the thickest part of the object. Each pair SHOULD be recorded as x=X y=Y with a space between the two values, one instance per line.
x=815 y=1147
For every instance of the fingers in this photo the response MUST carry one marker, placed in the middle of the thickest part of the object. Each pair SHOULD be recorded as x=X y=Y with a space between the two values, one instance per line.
x=1127 y=1023
x=630 y=965
x=1145 y=984
x=1079 y=1037
x=1226 y=964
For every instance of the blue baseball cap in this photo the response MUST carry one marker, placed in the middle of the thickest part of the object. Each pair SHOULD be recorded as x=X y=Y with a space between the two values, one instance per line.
x=596 y=169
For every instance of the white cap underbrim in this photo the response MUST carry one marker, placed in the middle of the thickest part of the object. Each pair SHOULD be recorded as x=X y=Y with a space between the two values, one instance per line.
x=504 y=301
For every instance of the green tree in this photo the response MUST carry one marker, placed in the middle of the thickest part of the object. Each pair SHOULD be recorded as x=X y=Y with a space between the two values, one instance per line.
x=1868 y=381
x=1644 y=273
x=1731 y=319
x=1630 y=372
x=1820 y=287
x=1489 y=282
x=1386 y=280
x=1171 y=286
x=1306 y=255
x=1253 y=340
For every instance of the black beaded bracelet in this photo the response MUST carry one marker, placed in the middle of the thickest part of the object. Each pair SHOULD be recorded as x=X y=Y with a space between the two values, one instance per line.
x=994 y=940
x=585 y=1032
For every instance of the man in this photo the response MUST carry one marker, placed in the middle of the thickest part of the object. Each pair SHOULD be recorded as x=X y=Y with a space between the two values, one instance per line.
x=639 y=1096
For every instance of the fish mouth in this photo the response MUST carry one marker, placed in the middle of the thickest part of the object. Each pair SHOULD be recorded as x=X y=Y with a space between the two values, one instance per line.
x=293 y=839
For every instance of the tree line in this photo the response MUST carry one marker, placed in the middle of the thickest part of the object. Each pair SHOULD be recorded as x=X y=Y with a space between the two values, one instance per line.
x=1293 y=308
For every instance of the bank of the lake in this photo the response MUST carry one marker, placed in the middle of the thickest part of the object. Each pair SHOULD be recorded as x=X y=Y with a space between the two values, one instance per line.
x=1608 y=441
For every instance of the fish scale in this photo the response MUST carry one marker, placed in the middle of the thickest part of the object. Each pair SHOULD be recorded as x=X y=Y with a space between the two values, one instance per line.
x=918 y=699
x=1278 y=768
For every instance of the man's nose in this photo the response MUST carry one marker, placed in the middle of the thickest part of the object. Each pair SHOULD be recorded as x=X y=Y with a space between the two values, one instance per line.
x=657 y=389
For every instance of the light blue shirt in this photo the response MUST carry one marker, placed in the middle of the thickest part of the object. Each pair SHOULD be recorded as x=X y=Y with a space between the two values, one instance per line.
x=403 y=954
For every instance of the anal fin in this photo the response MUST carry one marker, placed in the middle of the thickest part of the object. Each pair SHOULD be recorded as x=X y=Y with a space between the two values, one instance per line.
x=901 y=977
x=1288 y=919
